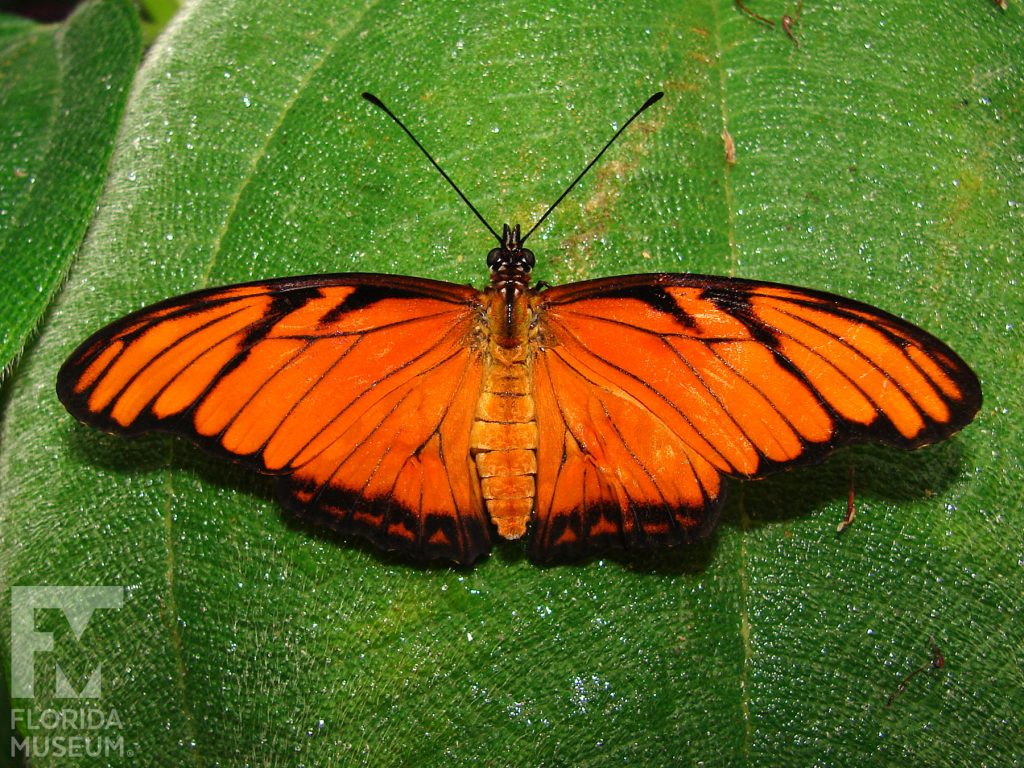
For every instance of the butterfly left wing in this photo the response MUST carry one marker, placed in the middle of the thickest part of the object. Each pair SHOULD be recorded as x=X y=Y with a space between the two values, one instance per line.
x=649 y=388
x=358 y=391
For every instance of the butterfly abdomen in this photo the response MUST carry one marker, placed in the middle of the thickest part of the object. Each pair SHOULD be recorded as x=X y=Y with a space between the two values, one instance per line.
x=503 y=440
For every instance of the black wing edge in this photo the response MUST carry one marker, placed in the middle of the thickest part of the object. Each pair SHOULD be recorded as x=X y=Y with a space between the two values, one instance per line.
x=336 y=510
x=632 y=545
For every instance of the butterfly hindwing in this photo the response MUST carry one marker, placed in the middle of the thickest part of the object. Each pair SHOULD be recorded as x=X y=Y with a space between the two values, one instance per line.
x=358 y=391
x=650 y=387
x=610 y=472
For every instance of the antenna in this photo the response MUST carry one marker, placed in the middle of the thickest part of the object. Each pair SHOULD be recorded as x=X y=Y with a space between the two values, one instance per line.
x=378 y=103
x=650 y=102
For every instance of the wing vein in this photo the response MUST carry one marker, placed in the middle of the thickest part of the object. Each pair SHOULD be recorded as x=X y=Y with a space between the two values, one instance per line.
x=373 y=385
x=237 y=360
x=165 y=352
x=646 y=385
x=863 y=356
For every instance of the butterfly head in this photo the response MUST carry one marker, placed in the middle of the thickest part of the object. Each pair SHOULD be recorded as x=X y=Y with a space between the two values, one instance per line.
x=511 y=262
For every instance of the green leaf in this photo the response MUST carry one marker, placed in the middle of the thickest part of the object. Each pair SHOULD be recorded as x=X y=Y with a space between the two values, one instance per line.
x=879 y=159
x=62 y=92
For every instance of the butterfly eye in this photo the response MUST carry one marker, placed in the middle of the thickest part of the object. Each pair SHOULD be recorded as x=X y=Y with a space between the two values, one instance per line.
x=493 y=256
x=528 y=258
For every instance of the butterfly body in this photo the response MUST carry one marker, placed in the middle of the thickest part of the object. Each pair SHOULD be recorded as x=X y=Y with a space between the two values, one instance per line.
x=503 y=441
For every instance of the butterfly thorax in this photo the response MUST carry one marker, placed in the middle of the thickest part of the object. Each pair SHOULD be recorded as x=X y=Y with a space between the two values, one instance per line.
x=504 y=433
x=510 y=266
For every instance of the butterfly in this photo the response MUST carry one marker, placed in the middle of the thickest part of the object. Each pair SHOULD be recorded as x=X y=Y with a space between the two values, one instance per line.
x=427 y=416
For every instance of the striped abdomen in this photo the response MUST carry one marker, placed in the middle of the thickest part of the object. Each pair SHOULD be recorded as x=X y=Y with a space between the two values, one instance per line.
x=504 y=436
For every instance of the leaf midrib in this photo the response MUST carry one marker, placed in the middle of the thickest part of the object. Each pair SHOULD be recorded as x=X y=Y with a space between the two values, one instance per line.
x=730 y=225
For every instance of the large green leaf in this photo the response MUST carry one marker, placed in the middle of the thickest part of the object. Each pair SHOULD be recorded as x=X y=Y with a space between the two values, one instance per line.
x=880 y=159
x=62 y=92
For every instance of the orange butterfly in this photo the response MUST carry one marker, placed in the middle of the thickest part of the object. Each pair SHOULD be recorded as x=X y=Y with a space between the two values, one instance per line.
x=604 y=413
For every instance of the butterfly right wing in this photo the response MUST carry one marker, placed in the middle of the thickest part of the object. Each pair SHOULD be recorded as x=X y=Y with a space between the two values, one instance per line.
x=358 y=391
x=650 y=388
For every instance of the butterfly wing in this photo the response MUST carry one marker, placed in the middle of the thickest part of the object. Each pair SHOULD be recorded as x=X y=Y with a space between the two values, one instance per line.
x=357 y=390
x=649 y=388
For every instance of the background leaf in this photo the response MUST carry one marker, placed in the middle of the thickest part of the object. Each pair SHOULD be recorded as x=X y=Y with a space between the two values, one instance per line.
x=879 y=159
x=62 y=92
